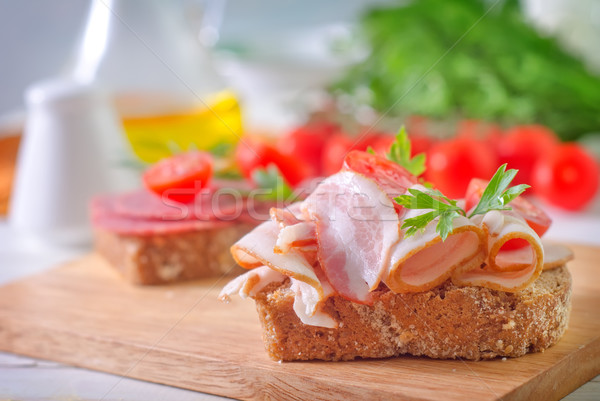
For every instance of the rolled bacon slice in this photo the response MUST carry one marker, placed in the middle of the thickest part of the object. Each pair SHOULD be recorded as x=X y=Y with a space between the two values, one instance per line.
x=356 y=226
x=502 y=270
x=307 y=302
x=251 y=283
x=423 y=261
x=301 y=236
x=287 y=216
x=256 y=249
x=295 y=233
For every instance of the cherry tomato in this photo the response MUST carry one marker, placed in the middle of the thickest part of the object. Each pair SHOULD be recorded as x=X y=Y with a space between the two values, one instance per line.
x=334 y=152
x=391 y=177
x=252 y=153
x=382 y=143
x=380 y=169
x=484 y=131
x=307 y=142
x=338 y=146
x=535 y=217
x=452 y=164
x=420 y=143
x=181 y=176
x=567 y=177
x=522 y=146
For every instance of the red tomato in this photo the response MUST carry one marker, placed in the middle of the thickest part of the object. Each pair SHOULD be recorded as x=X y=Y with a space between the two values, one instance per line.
x=381 y=144
x=334 y=152
x=417 y=125
x=535 y=217
x=419 y=143
x=251 y=154
x=452 y=164
x=181 y=176
x=307 y=142
x=481 y=130
x=567 y=177
x=338 y=146
x=391 y=177
x=522 y=146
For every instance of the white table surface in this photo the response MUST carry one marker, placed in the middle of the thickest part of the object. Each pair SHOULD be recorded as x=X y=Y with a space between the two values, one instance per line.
x=33 y=379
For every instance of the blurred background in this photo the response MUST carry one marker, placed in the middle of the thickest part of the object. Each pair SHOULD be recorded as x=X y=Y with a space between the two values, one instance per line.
x=476 y=82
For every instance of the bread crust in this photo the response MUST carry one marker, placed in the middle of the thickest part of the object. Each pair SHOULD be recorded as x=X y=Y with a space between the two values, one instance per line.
x=447 y=322
x=167 y=258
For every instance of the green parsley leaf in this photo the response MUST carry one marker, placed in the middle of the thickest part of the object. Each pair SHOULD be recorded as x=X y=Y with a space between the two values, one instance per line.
x=444 y=208
x=270 y=178
x=496 y=196
x=400 y=153
x=221 y=149
x=417 y=223
x=444 y=226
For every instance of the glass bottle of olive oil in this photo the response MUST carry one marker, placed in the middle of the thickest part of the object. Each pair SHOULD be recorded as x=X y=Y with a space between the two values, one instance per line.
x=164 y=85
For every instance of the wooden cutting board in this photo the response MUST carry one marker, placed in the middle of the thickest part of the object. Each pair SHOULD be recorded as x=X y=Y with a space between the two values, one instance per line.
x=83 y=314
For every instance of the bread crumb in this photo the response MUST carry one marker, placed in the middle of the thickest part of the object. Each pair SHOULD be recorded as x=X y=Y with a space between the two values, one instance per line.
x=509 y=326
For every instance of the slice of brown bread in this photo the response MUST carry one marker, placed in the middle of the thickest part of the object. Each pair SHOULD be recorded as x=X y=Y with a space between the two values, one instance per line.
x=446 y=322
x=166 y=258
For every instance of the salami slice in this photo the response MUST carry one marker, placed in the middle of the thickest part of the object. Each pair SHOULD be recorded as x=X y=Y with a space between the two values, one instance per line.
x=209 y=205
x=104 y=217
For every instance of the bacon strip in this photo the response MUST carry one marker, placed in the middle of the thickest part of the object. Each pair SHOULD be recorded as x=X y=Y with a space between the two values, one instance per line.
x=287 y=216
x=256 y=249
x=307 y=303
x=302 y=236
x=251 y=283
x=502 y=271
x=356 y=226
x=556 y=255
x=423 y=261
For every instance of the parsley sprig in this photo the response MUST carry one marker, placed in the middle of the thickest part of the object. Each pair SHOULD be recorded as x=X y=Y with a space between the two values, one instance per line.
x=400 y=153
x=496 y=196
x=270 y=178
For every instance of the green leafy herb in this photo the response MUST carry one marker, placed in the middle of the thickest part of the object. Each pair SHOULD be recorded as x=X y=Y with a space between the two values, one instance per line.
x=441 y=206
x=228 y=174
x=400 y=153
x=222 y=149
x=270 y=178
x=502 y=69
x=496 y=196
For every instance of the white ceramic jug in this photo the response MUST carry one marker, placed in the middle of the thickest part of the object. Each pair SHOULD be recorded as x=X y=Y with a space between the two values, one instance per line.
x=73 y=148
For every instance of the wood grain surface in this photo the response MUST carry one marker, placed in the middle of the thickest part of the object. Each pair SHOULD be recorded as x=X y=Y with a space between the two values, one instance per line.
x=85 y=315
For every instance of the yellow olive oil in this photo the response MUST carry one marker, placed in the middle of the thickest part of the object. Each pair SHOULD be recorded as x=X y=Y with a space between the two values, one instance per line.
x=158 y=126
